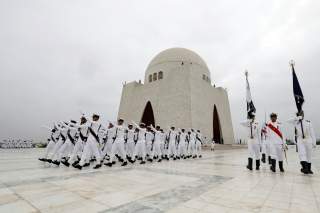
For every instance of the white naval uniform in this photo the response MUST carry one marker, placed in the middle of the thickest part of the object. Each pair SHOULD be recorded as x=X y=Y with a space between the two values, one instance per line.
x=162 y=138
x=54 y=137
x=198 y=143
x=254 y=139
x=157 y=143
x=79 y=146
x=172 y=149
x=182 y=148
x=264 y=142
x=110 y=138
x=304 y=144
x=149 y=144
x=118 y=144
x=130 y=142
x=61 y=141
x=140 y=149
x=91 y=147
x=67 y=147
x=192 y=143
x=275 y=141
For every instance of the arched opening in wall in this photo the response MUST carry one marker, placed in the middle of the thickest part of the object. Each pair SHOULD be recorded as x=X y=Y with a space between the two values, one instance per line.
x=216 y=126
x=147 y=116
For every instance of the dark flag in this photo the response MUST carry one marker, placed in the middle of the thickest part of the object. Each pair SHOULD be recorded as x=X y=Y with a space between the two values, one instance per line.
x=297 y=92
x=251 y=110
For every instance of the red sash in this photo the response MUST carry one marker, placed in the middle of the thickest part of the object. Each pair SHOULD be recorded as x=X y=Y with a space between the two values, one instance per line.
x=276 y=130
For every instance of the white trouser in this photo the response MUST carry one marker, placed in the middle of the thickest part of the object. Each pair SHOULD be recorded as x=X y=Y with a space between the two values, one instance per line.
x=182 y=148
x=90 y=149
x=192 y=145
x=254 y=149
x=212 y=146
x=56 y=149
x=49 y=149
x=276 y=151
x=266 y=147
x=305 y=149
x=140 y=149
x=130 y=148
x=157 y=148
x=64 y=150
x=107 y=148
x=172 y=150
x=77 y=150
x=118 y=148
x=149 y=150
x=198 y=148
x=162 y=148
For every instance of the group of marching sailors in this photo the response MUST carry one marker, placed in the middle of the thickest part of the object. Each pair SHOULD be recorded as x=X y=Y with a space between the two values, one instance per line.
x=270 y=140
x=16 y=144
x=78 y=144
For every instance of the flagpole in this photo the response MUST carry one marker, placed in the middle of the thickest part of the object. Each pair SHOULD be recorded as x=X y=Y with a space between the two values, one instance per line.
x=292 y=63
x=246 y=74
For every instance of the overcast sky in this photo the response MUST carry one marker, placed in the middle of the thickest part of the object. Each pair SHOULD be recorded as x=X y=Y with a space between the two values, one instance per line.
x=60 y=57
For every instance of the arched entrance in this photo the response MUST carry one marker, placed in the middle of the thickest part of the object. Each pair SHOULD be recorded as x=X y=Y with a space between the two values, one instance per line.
x=216 y=126
x=147 y=116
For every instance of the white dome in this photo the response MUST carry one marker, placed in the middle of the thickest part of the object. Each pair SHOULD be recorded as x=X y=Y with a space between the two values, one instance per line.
x=177 y=55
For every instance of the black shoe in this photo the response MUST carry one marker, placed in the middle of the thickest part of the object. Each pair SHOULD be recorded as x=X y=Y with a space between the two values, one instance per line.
x=142 y=162
x=124 y=163
x=97 y=166
x=185 y=158
x=257 y=164
x=78 y=167
x=263 y=159
x=194 y=156
x=273 y=165
x=178 y=158
x=174 y=158
x=281 y=166
x=304 y=168
x=309 y=168
x=65 y=163
x=56 y=162
x=269 y=160
x=108 y=164
x=200 y=156
x=86 y=164
x=42 y=159
x=49 y=160
x=74 y=164
x=150 y=160
x=249 y=166
x=113 y=162
x=159 y=160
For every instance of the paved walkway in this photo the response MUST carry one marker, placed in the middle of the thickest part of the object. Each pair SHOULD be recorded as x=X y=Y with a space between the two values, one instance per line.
x=218 y=182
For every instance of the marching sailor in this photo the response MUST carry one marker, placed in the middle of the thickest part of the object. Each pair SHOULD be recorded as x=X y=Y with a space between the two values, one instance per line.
x=110 y=134
x=157 y=142
x=130 y=143
x=306 y=140
x=149 y=144
x=118 y=144
x=140 y=149
x=91 y=147
x=171 y=138
x=198 y=144
x=78 y=147
x=276 y=141
x=254 y=134
x=182 y=148
x=54 y=137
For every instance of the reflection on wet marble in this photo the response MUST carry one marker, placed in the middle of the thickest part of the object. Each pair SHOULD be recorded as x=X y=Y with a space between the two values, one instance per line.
x=218 y=182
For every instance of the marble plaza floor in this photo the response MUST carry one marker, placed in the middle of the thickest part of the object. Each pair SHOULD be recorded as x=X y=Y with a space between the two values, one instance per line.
x=218 y=182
